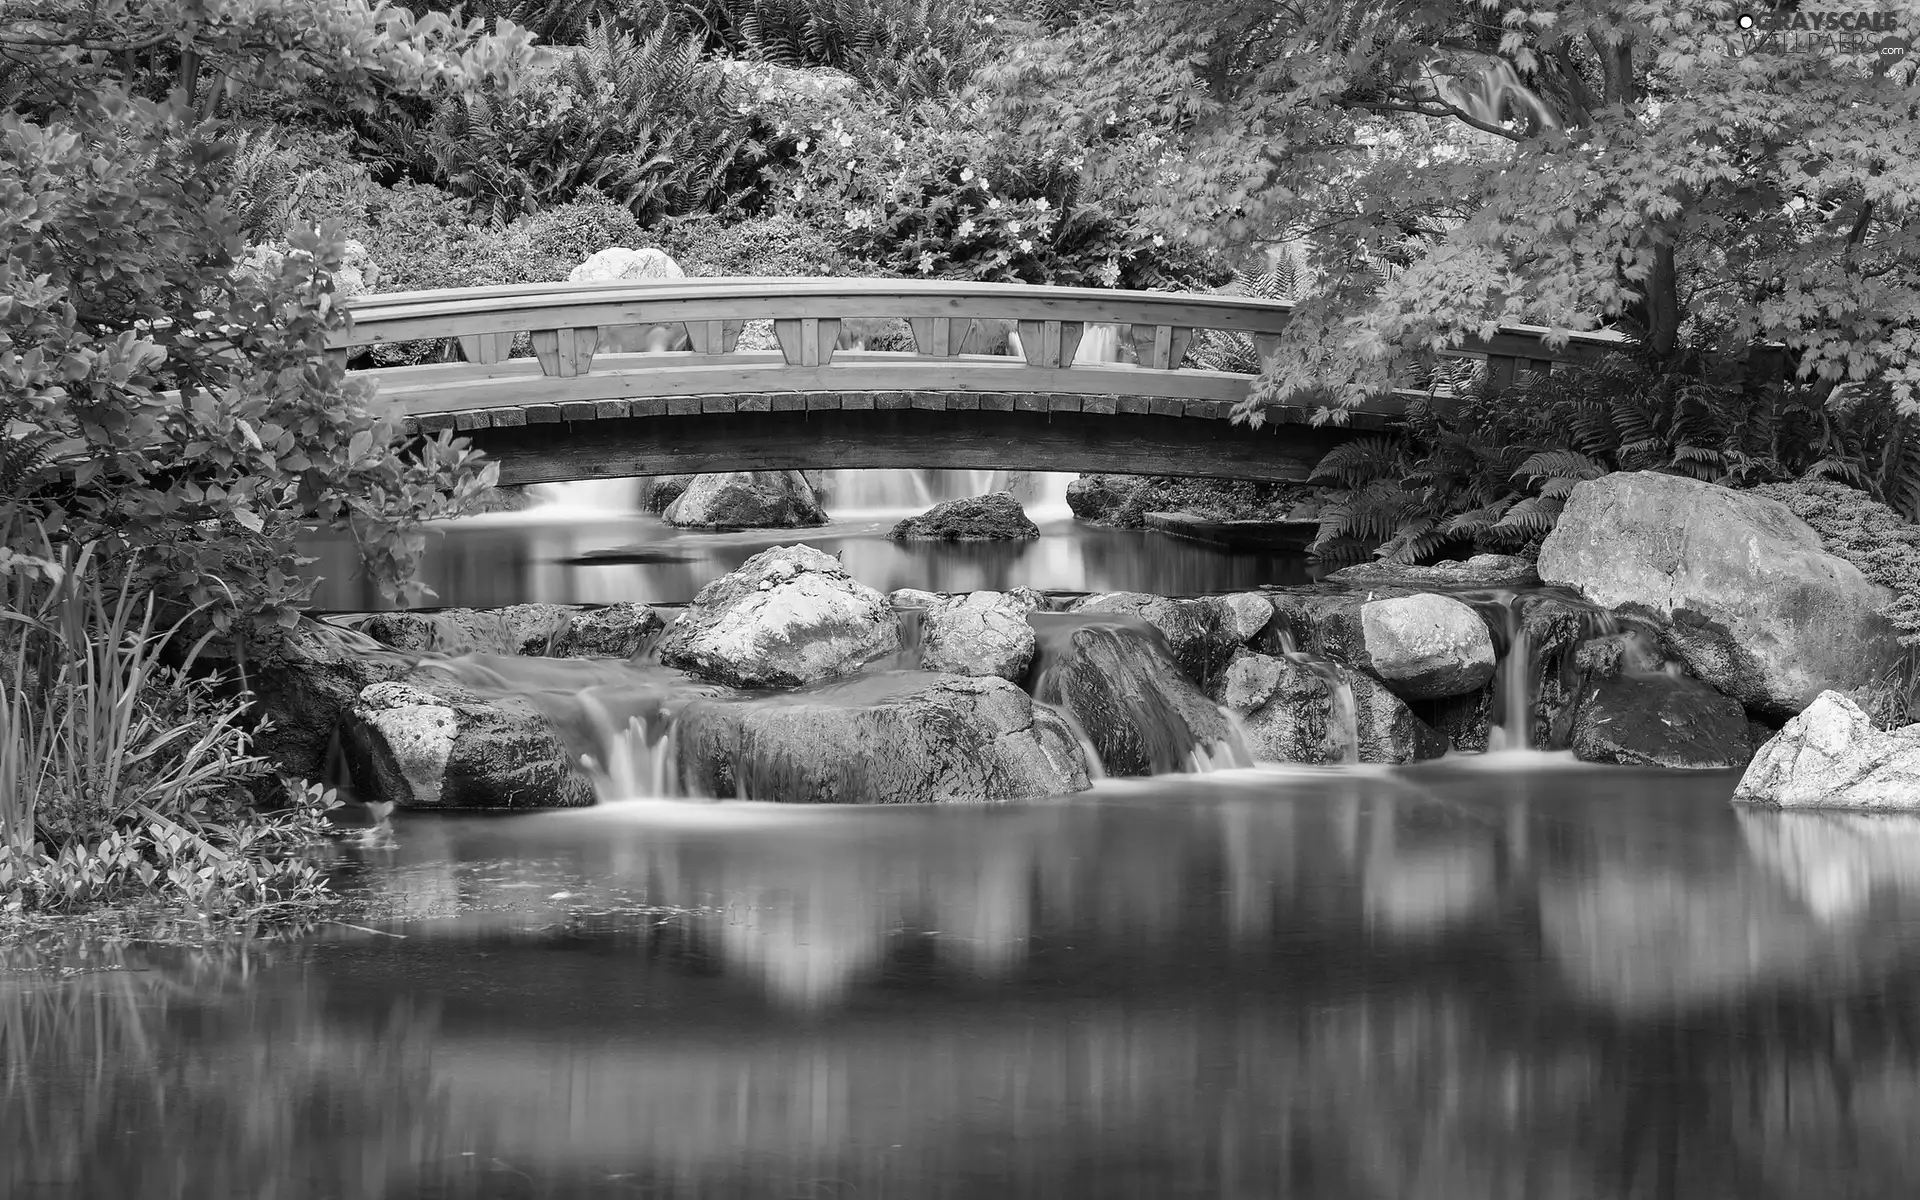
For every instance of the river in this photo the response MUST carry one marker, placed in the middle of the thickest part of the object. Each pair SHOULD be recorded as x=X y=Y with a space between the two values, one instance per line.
x=1499 y=976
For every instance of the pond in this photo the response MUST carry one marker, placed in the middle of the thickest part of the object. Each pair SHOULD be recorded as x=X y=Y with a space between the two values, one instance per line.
x=1506 y=976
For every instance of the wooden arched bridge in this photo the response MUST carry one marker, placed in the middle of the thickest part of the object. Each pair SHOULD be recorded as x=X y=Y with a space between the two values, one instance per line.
x=586 y=405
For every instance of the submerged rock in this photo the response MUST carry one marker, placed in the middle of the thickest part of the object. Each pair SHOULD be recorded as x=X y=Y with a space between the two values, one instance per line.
x=432 y=743
x=910 y=738
x=1201 y=634
x=1831 y=756
x=1099 y=499
x=789 y=616
x=981 y=633
x=1648 y=718
x=1298 y=711
x=994 y=517
x=1480 y=571
x=540 y=630
x=746 y=500
x=1115 y=676
x=1756 y=607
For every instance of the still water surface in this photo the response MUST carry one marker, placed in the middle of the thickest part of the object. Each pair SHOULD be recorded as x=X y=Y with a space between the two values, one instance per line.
x=1513 y=977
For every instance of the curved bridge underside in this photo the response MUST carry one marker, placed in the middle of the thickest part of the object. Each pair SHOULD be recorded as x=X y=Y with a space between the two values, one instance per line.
x=977 y=432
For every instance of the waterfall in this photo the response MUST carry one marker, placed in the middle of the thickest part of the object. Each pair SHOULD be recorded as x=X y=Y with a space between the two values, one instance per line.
x=1521 y=675
x=612 y=496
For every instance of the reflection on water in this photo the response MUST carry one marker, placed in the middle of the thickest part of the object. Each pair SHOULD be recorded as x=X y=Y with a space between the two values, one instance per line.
x=558 y=557
x=1451 y=981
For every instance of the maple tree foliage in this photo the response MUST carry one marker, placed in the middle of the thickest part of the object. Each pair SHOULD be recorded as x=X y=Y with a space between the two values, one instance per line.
x=158 y=402
x=1456 y=164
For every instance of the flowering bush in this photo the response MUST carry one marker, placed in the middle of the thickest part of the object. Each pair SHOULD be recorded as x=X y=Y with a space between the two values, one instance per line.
x=935 y=194
x=777 y=246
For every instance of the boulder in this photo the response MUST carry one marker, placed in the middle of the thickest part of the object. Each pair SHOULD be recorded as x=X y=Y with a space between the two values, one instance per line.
x=1831 y=756
x=1480 y=571
x=1657 y=720
x=981 y=633
x=1244 y=615
x=619 y=264
x=1425 y=646
x=663 y=490
x=1114 y=675
x=994 y=517
x=1201 y=634
x=541 y=630
x=434 y=744
x=746 y=500
x=789 y=616
x=1466 y=722
x=620 y=630
x=908 y=738
x=1099 y=499
x=1297 y=710
x=305 y=690
x=1756 y=607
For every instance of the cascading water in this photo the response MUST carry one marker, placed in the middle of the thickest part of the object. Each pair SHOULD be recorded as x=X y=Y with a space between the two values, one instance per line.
x=1344 y=716
x=1521 y=676
x=610 y=496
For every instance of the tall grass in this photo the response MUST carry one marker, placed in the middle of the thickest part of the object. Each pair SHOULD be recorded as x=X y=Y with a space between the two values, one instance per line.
x=119 y=767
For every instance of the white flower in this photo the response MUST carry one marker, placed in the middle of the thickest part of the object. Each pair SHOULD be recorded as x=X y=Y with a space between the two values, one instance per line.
x=1112 y=117
x=1109 y=272
x=966 y=228
x=799 y=190
x=926 y=262
x=1076 y=162
x=804 y=143
x=1158 y=240
x=993 y=202
x=859 y=218
x=966 y=174
x=845 y=138
x=1025 y=245
x=1013 y=227
x=1040 y=204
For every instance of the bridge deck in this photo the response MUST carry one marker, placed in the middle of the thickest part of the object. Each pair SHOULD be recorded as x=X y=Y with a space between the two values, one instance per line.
x=723 y=408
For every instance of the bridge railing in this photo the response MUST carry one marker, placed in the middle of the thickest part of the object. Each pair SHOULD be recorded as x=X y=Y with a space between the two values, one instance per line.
x=568 y=325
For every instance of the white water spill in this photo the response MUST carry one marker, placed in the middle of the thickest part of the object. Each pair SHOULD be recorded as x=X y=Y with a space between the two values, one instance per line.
x=849 y=494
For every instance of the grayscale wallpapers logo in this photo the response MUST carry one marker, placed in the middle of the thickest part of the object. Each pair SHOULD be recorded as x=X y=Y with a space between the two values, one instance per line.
x=1840 y=29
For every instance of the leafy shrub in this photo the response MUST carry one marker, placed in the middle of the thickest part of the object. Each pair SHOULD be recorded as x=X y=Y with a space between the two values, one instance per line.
x=279 y=176
x=929 y=194
x=1873 y=537
x=777 y=246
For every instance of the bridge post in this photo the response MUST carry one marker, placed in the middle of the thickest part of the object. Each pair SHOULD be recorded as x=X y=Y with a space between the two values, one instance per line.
x=1161 y=346
x=807 y=341
x=714 y=337
x=486 y=347
x=1050 y=343
x=565 y=353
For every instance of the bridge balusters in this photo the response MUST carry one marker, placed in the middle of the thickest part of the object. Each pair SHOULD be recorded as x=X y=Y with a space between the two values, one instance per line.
x=1161 y=346
x=564 y=353
x=1051 y=343
x=807 y=341
x=714 y=337
x=940 y=337
x=486 y=347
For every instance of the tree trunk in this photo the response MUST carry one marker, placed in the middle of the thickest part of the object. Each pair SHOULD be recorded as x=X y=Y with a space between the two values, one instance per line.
x=1662 y=303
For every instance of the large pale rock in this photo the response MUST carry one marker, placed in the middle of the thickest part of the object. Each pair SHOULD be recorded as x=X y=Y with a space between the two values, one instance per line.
x=995 y=517
x=1303 y=712
x=1113 y=674
x=619 y=264
x=1757 y=608
x=789 y=616
x=1831 y=756
x=910 y=738
x=746 y=500
x=981 y=633
x=1425 y=646
x=428 y=743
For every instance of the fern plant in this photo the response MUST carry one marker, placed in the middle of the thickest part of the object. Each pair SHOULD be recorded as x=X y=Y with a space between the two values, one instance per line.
x=912 y=50
x=1488 y=468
